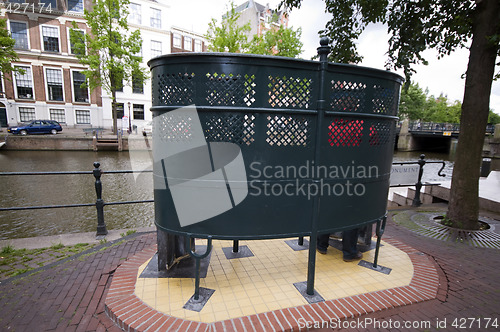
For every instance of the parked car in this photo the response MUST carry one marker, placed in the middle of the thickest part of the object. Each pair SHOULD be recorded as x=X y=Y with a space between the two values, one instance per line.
x=36 y=127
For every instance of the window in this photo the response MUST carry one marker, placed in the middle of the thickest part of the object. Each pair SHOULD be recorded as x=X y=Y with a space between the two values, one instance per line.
x=135 y=13
x=155 y=48
x=73 y=50
x=138 y=112
x=48 y=4
x=2 y=91
x=198 y=46
x=188 y=43
x=19 y=32
x=24 y=84
x=82 y=117
x=137 y=85
x=75 y=6
x=155 y=18
x=177 y=40
x=50 y=37
x=26 y=114
x=119 y=110
x=81 y=94
x=54 y=84
x=57 y=115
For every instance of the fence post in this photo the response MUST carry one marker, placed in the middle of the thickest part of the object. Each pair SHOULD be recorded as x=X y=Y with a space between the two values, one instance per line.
x=418 y=185
x=99 y=203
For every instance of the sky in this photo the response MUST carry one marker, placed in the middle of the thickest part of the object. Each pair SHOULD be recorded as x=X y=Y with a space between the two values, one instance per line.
x=439 y=77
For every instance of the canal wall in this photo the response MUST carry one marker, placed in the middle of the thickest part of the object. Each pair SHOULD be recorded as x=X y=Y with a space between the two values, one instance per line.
x=65 y=143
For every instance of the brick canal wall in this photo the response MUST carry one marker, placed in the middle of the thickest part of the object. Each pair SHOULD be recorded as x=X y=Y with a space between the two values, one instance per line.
x=65 y=143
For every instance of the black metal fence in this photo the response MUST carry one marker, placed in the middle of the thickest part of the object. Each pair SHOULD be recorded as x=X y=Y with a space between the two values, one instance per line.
x=100 y=203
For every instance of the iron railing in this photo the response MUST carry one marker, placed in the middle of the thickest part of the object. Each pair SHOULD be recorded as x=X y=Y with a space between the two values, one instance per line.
x=100 y=203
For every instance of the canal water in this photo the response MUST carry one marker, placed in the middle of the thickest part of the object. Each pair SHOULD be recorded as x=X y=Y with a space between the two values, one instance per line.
x=38 y=190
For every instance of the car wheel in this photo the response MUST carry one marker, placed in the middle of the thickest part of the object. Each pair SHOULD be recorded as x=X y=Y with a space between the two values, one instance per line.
x=53 y=132
x=23 y=132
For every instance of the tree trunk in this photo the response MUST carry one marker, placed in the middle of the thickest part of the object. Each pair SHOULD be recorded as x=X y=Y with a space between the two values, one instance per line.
x=114 y=111
x=463 y=208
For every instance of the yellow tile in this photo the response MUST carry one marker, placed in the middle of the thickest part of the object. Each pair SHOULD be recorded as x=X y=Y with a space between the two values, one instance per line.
x=248 y=310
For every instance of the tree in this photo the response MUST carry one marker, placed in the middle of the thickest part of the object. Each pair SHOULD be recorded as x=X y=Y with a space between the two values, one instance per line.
x=7 y=53
x=412 y=102
x=493 y=118
x=228 y=36
x=444 y=25
x=110 y=50
x=280 y=42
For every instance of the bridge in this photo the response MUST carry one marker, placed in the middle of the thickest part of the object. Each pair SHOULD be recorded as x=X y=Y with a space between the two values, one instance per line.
x=417 y=135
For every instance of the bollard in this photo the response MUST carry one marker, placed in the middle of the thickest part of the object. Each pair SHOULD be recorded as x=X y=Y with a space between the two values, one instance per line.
x=418 y=185
x=99 y=203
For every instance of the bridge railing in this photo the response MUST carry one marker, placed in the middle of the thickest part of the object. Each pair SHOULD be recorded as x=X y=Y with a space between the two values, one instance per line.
x=442 y=127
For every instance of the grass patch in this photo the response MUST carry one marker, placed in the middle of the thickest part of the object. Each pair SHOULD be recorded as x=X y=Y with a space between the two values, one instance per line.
x=19 y=261
x=129 y=232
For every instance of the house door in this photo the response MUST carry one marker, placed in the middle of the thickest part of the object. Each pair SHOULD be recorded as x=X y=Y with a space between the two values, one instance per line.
x=3 y=115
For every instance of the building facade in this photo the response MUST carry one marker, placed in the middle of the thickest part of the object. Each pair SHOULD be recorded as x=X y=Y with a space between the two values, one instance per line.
x=50 y=87
x=262 y=18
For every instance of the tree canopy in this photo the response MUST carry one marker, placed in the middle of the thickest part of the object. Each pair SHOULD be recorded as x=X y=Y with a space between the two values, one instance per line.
x=110 y=51
x=7 y=52
x=444 y=25
x=281 y=42
x=228 y=36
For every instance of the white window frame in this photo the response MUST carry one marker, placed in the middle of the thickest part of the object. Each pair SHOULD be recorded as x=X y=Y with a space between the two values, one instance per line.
x=68 y=33
x=27 y=33
x=161 y=48
x=155 y=18
x=47 y=84
x=32 y=83
x=23 y=107
x=135 y=16
x=58 y=109
x=188 y=43
x=76 y=11
x=177 y=40
x=76 y=116
x=73 y=88
x=198 y=45
x=58 y=38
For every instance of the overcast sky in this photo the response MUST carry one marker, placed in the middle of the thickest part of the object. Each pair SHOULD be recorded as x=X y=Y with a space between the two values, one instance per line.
x=440 y=76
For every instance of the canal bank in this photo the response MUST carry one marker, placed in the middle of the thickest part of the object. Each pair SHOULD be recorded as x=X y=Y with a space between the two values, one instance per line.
x=73 y=294
x=74 y=139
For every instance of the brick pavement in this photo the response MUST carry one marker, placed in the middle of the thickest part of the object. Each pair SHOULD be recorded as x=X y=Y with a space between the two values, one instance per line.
x=70 y=296
x=470 y=288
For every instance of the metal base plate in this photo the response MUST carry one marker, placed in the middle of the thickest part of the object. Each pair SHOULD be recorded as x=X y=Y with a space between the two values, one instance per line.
x=243 y=251
x=379 y=268
x=197 y=305
x=294 y=244
x=302 y=288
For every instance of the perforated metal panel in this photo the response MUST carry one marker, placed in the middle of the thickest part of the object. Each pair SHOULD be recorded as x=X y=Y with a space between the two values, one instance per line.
x=285 y=115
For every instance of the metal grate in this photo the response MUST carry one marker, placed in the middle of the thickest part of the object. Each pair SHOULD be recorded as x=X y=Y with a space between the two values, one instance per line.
x=380 y=133
x=287 y=131
x=383 y=100
x=174 y=127
x=230 y=89
x=175 y=89
x=289 y=92
x=235 y=128
x=347 y=96
x=345 y=133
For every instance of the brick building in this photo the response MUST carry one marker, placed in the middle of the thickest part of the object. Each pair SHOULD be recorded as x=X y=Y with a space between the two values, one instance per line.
x=50 y=87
